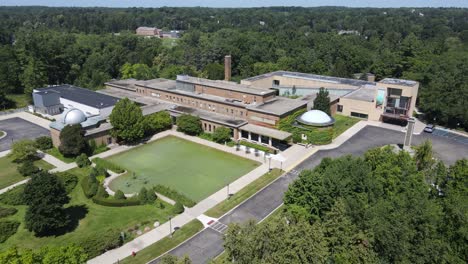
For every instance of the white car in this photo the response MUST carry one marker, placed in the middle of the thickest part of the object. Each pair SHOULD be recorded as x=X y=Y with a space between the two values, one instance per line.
x=429 y=128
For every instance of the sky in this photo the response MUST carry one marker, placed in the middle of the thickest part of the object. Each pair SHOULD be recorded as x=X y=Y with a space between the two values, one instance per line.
x=240 y=3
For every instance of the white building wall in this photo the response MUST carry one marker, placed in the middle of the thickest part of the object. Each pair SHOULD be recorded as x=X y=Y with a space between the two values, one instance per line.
x=87 y=110
x=105 y=112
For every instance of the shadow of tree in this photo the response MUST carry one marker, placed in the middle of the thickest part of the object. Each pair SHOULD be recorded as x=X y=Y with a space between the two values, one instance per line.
x=75 y=213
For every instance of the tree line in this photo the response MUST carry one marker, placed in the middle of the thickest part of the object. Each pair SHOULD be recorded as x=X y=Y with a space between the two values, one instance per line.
x=88 y=46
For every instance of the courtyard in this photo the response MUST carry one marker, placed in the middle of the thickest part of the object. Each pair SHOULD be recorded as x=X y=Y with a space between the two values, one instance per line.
x=187 y=167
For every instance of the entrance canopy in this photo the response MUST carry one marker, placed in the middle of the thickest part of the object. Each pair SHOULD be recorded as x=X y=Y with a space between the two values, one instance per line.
x=265 y=131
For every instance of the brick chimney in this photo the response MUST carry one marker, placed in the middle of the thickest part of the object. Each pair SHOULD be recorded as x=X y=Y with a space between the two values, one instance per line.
x=227 y=68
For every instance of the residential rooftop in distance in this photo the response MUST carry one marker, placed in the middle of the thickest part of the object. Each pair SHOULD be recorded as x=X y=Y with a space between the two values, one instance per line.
x=81 y=95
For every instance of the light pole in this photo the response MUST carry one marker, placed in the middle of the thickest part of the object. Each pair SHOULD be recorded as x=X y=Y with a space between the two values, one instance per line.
x=170 y=226
x=269 y=162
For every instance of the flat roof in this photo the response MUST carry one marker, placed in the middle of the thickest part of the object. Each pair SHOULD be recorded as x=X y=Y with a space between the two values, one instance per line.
x=82 y=95
x=365 y=93
x=399 y=82
x=265 y=131
x=309 y=76
x=225 y=85
x=209 y=116
x=278 y=106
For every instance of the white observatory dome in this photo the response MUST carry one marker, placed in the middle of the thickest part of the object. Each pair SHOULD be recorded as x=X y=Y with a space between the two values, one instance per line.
x=316 y=118
x=73 y=116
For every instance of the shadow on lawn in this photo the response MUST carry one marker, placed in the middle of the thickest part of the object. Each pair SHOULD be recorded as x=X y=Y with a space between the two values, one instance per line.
x=75 y=214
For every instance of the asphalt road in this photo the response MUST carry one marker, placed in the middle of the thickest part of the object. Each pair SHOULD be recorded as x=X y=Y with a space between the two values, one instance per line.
x=209 y=243
x=17 y=129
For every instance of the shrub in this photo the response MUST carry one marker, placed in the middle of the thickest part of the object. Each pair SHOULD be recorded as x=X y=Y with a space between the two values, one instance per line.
x=146 y=197
x=69 y=180
x=4 y=212
x=13 y=196
x=189 y=124
x=178 y=208
x=99 y=243
x=256 y=146
x=99 y=170
x=101 y=192
x=157 y=122
x=108 y=165
x=119 y=195
x=23 y=150
x=7 y=229
x=44 y=143
x=89 y=185
x=174 y=195
x=82 y=160
x=222 y=134
x=116 y=203
x=27 y=168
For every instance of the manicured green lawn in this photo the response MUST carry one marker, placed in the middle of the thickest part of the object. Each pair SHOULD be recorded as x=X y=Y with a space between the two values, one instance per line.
x=9 y=175
x=190 y=168
x=342 y=123
x=162 y=246
x=95 y=219
x=56 y=153
x=223 y=207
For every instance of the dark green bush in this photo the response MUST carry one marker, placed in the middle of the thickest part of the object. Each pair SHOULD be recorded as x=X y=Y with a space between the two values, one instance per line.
x=174 y=195
x=7 y=229
x=189 y=124
x=119 y=195
x=146 y=196
x=4 y=212
x=101 y=242
x=69 y=180
x=82 y=160
x=108 y=165
x=90 y=186
x=44 y=143
x=101 y=192
x=178 y=208
x=13 y=196
x=116 y=203
x=27 y=168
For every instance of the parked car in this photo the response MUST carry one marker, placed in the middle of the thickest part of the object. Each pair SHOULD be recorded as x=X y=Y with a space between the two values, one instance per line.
x=429 y=128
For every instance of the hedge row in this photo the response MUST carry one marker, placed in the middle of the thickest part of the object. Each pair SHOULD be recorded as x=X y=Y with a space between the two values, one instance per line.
x=174 y=195
x=256 y=146
x=7 y=229
x=4 y=212
x=108 y=165
x=98 y=243
x=116 y=203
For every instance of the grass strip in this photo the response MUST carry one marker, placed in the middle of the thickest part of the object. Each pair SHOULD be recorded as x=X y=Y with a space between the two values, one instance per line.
x=162 y=246
x=242 y=195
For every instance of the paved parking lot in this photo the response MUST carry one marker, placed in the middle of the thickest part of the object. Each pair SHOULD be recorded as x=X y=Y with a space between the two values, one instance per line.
x=450 y=135
x=16 y=129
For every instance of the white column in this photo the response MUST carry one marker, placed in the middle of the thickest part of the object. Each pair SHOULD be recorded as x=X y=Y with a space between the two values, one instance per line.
x=270 y=141
x=259 y=138
x=249 y=136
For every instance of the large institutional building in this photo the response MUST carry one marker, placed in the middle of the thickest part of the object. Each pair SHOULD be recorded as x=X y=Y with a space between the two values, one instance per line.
x=251 y=109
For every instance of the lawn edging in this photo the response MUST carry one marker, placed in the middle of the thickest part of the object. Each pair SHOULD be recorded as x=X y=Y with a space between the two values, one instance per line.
x=244 y=194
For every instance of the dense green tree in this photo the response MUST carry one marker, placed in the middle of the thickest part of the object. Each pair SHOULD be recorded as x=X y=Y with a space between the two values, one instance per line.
x=46 y=255
x=72 y=141
x=222 y=134
x=23 y=150
x=189 y=124
x=5 y=102
x=44 y=143
x=45 y=196
x=157 y=122
x=127 y=121
x=27 y=168
x=423 y=155
x=322 y=101
x=214 y=71
x=82 y=160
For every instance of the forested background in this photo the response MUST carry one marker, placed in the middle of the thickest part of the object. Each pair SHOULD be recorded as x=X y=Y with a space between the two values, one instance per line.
x=41 y=46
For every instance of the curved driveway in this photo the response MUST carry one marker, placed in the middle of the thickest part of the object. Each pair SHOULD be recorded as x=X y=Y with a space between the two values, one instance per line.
x=209 y=243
